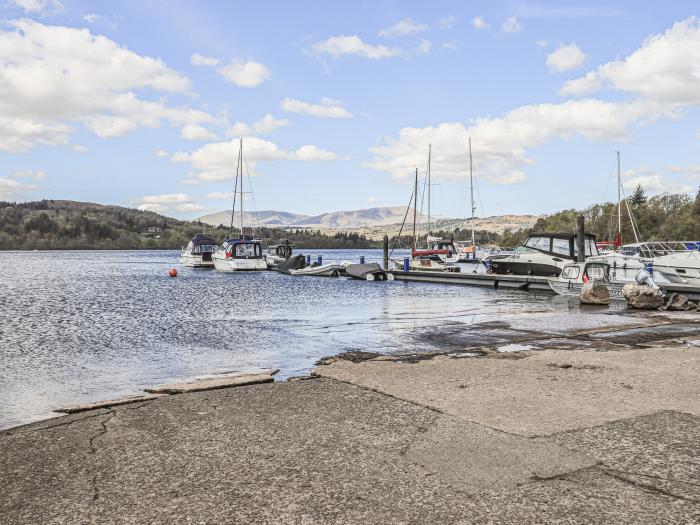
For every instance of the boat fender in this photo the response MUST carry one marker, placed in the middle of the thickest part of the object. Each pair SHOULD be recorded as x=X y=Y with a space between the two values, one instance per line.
x=585 y=278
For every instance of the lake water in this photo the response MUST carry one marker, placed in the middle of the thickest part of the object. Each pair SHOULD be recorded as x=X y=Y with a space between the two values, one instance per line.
x=87 y=326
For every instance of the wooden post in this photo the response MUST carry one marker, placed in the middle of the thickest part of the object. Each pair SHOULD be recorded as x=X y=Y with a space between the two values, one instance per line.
x=581 y=238
x=385 y=249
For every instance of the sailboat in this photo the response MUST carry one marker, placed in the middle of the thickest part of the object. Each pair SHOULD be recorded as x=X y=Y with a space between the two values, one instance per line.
x=245 y=252
x=466 y=250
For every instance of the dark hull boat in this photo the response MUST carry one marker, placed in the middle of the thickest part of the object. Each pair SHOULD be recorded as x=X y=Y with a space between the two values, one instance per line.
x=367 y=272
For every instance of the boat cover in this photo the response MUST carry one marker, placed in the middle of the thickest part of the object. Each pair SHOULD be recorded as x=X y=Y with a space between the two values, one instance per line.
x=361 y=271
x=295 y=262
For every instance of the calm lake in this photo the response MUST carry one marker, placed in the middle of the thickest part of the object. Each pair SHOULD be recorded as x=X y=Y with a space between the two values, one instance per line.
x=87 y=326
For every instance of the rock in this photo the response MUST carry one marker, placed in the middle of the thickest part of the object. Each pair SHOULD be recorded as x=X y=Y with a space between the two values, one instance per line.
x=594 y=292
x=213 y=383
x=677 y=302
x=642 y=296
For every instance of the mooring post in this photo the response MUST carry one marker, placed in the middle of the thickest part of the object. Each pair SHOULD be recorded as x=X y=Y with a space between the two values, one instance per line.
x=385 y=249
x=287 y=253
x=320 y=260
x=580 y=238
x=362 y=259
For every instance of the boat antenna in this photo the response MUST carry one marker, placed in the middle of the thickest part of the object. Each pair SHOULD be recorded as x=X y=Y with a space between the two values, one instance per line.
x=415 y=192
x=619 y=198
x=240 y=162
x=471 y=187
x=430 y=148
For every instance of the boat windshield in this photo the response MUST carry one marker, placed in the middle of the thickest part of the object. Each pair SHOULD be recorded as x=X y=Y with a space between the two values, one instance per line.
x=597 y=271
x=523 y=249
x=204 y=248
x=247 y=249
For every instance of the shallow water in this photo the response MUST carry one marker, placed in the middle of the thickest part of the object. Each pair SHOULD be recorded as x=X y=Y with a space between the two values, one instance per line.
x=86 y=326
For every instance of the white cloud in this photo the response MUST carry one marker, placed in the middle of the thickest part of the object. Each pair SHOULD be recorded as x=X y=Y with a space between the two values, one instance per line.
x=425 y=46
x=29 y=174
x=656 y=184
x=511 y=25
x=10 y=188
x=244 y=73
x=446 y=22
x=371 y=200
x=200 y=60
x=265 y=125
x=179 y=202
x=542 y=43
x=402 y=28
x=161 y=153
x=216 y=161
x=665 y=68
x=565 y=58
x=480 y=23
x=37 y=6
x=220 y=195
x=352 y=45
x=328 y=108
x=55 y=77
x=501 y=144
x=91 y=18
x=79 y=148
x=196 y=132
x=692 y=171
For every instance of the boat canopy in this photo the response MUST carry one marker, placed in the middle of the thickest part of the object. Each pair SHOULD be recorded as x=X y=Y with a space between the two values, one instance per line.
x=203 y=239
x=560 y=244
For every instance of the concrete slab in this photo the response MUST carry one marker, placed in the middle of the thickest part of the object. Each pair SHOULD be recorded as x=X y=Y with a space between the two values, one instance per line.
x=545 y=392
x=126 y=400
x=213 y=383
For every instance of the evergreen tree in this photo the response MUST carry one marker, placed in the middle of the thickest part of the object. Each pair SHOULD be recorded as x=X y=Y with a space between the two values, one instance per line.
x=638 y=195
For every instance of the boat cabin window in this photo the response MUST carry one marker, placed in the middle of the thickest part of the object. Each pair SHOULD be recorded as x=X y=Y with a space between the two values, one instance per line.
x=597 y=271
x=589 y=245
x=205 y=248
x=561 y=247
x=245 y=249
x=570 y=272
x=539 y=243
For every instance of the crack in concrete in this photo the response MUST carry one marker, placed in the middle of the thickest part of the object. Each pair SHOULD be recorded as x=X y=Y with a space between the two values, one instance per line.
x=620 y=475
x=93 y=450
x=65 y=423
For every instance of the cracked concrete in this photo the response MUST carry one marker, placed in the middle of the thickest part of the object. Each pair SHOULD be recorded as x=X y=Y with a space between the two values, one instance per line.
x=326 y=451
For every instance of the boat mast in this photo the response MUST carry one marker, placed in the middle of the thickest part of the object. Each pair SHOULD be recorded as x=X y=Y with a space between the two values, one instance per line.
x=430 y=147
x=471 y=187
x=415 y=205
x=619 y=199
x=240 y=162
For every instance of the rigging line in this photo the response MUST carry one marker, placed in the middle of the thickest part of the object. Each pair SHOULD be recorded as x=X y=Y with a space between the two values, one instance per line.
x=252 y=198
x=405 y=216
x=481 y=203
x=233 y=208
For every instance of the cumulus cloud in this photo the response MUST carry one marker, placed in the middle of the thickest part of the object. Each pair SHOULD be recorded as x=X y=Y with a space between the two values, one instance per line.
x=665 y=68
x=91 y=18
x=53 y=78
x=244 y=73
x=216 y=161
x=39 y=7
x=328 y=108
x=480 y=23
x=656 y=184
x=692 y=171
x=565 y=58
x=179 y=202
x=446 y=22
x=511 y=25
x=12 y=185
x=79 y=148
x=161 y=153
x=424 y=47
x=200 y=60
x=340 y=45
x=501 y=144
x=29 y=174
x=196 y=132
x=403 y=28
x=265 y=125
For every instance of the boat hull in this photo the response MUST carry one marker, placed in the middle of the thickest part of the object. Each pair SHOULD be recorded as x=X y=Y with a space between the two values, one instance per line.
x=324 y=270
x=239 y=265
x=195 y=261
x=504 y=267
x=573 y=288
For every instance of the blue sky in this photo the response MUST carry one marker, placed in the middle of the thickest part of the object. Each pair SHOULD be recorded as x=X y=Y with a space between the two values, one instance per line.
x=141 y=103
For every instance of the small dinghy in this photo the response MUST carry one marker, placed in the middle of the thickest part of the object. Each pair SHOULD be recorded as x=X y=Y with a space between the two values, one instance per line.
x=368 y=272
x=320 y=270
x=295 y=262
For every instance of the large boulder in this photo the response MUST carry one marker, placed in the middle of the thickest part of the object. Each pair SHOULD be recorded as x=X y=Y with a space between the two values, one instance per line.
x=643 y=296
x=594 y=292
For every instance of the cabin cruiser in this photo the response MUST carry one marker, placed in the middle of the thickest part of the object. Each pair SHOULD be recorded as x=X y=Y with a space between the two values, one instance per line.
x=198 y=252
x=277 y=254
x=237 y=255
x=573 y=276
x=543 y=254
x=445 y=249
x=431 y=263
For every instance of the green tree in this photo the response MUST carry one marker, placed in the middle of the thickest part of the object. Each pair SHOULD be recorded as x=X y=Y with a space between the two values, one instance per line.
x=638 y=196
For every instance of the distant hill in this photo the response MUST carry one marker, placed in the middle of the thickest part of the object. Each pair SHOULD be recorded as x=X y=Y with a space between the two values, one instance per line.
x=261 y=218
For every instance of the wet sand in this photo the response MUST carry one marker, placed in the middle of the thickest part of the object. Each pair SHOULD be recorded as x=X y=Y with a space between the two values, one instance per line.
x=602 y=431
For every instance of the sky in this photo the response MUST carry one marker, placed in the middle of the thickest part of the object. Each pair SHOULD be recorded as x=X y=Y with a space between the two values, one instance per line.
x=142 y=103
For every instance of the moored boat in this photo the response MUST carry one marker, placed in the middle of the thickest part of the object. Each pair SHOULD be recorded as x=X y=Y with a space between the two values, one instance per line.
x=238 y=255
x=198 y=252
x=368 y=272
x=574 y=275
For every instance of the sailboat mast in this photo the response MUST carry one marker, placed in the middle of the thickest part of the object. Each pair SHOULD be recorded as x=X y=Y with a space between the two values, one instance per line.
x=430 y=147
x=471 y=187
x=415 y=205
x=619 y=198
x=240 y=163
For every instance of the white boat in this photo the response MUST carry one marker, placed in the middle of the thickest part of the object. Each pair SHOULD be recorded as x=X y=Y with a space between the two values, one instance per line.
x=445 y=249
x=320 y=270
x=198 y=252
x=243 y=253
x=277 y=254
x=574 y=275
x=543 y=254
x=239 y=255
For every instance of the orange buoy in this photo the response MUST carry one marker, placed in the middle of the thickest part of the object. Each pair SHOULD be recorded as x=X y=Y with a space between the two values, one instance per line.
x=172 y=272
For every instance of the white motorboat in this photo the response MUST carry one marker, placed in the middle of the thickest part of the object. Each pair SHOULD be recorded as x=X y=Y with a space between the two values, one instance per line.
x=321 y=270
x=574 y=275
x=238 y=255
x=277 y=254
x=445 y=249
x=198 y=252
x=543 y=254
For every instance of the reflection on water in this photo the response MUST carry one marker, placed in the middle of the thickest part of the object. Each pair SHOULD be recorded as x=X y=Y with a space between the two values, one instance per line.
x=81 y=326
